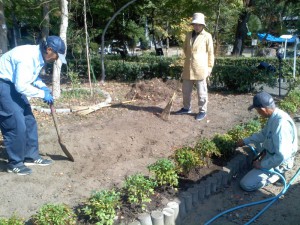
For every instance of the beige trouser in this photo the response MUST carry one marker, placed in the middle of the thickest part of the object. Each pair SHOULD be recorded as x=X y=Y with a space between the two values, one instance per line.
x=187 y=88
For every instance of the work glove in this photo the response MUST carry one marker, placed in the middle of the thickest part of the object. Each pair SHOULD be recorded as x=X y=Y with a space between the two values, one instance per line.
x=45 y=88
x=48 y=98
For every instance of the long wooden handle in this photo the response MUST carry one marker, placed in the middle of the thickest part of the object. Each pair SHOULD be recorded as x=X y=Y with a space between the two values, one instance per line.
x=55 y=121
x=62 y=145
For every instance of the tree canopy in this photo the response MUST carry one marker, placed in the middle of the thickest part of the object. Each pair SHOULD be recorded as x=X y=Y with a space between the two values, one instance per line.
x=227 y=20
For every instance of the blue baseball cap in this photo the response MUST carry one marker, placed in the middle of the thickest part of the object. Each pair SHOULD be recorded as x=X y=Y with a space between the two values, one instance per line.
x=58 y=46
x=262 y=100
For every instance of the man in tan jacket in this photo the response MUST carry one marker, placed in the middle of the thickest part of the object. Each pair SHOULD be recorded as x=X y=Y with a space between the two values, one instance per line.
x=199 y=61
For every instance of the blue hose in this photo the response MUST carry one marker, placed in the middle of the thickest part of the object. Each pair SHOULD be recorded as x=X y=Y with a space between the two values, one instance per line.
x=270 y=200
x=286 y=187
x=253 y=150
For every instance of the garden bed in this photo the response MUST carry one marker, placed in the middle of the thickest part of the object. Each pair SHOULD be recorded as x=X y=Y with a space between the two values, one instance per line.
x=114 y=142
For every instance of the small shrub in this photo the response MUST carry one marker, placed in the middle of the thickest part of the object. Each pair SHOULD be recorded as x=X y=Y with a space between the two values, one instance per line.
x=101 y=206
x=288 y=107
x=186 y=159
x=242 y=131
x=51 y=214
x=74 y=77
x=165 y=172
x=225 y=145
x=238 y=132
x=206 y=149
x=291 y=103
x=13 y=220
x=139 y=189
x=251 y=127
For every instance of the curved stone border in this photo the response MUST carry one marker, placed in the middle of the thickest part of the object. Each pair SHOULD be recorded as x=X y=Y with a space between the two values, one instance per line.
x=107 y=101
x=176 y=211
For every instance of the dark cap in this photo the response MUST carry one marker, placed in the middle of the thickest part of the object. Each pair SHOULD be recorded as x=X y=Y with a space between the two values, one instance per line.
x=262 y=100
x=58 y=46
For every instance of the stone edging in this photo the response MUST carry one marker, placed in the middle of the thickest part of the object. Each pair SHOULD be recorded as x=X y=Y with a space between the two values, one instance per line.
x=68 y=110
x=176 y=211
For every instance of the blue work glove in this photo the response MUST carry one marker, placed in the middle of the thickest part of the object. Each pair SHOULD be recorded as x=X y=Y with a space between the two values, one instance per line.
x=48 y=98
x=45 y=88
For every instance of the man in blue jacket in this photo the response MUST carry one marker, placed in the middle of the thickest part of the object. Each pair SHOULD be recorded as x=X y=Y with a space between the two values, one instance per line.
x=278 y=141
x=19 y=79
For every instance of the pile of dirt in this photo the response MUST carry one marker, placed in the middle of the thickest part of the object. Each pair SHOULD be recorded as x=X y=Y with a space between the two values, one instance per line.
x=155 y=90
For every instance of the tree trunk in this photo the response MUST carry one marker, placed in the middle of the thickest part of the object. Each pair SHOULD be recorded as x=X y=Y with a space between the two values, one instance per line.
x=45 y=29
x=63 y=34
x=3 y=31
x=242 y=29
x=87 y=48
x=215 y=35
x=241 y=34
x=14 y=31
x=46 y=20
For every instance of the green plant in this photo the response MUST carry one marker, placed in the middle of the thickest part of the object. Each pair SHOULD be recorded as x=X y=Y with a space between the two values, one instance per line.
x=206 y=148
x=79 y=96
x=139 y=189
x=101 y=206
x=186 y=159
x=165 y=172
x=237 y=132
x=54 y=214
x=74 y=77
x=291 y=102
x=288 y=107
x=225 y=145
x=253 y=126
x=13 y=220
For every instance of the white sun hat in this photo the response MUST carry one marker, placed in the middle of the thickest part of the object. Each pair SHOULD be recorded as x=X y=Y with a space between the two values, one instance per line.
x=198 y=18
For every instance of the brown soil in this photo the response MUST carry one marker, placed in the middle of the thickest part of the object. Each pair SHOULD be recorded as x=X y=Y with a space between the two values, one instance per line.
x=114 y=142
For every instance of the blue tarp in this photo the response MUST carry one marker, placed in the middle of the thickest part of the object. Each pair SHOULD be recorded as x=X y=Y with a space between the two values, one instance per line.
x=272 y=38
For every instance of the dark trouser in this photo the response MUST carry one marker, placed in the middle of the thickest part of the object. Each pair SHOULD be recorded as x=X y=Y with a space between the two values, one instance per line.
x=18 y=126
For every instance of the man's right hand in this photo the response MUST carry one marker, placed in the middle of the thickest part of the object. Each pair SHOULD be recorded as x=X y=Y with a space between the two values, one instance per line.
x=240 y=143
x=48 y=98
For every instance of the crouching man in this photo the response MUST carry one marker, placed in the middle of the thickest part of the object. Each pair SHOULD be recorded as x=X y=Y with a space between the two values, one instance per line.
x=277 y=141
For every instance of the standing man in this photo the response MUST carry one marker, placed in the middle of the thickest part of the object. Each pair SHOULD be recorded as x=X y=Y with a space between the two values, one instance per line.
x=277 y=141
x=199 y=60
x=19 y=78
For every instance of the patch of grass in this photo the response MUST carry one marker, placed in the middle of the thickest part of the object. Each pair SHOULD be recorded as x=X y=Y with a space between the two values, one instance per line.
x=73 y=97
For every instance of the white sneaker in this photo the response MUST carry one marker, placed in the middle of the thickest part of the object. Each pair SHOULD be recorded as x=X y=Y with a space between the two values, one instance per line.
x=273 y=179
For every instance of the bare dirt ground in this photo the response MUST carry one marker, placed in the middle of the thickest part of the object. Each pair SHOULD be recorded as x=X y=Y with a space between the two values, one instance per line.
x=117 y=141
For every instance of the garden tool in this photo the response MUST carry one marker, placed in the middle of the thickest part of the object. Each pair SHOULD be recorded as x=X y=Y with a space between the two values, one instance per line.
x=62 y=145
x=85 y=110
x=166 y=112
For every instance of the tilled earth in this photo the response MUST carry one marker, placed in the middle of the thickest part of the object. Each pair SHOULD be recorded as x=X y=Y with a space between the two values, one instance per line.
x=114 y=142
